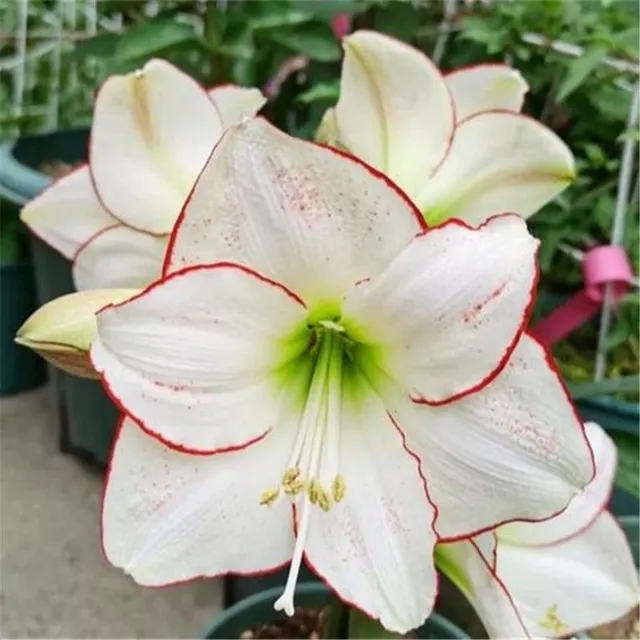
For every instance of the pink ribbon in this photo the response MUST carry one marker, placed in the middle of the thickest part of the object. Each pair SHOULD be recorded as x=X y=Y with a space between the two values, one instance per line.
x=602 y=266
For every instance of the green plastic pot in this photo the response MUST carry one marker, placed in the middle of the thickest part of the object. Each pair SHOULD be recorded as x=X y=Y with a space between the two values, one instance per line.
x=87 y=418
x=258 y=609
x=20 y=369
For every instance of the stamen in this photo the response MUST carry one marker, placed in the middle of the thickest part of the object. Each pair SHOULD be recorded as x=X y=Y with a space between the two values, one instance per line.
x=295 y=487
x=338 y=488
x=323 y=500
x=313 y=491
x=290 y=475
x=269 y=496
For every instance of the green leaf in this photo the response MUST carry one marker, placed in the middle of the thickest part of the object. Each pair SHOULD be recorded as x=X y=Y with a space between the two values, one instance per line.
x=326 y=9
x=9 y=248
x=321 y=91
x=628 y=470
x=99 y=46
x=237 y=43
x=604 y=387
x=148 y=38
x=316 y=41
x=363 y=627
x=274 y=14
x=579 y=70
x=633 y=135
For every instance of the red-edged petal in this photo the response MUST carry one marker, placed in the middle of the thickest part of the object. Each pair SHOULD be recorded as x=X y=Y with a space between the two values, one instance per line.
x=583 y=509
x=443 y=319
x=307 y=216
x=199 y=357
x=516 y=450
x=169 y=517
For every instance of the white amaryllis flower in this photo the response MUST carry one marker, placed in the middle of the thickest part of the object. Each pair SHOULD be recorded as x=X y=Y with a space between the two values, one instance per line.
x=152 y=133
x=553 y=578
x=456 y=144
x=338 y=358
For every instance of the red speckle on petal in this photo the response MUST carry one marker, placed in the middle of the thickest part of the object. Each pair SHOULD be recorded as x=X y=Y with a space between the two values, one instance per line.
x=475 y=311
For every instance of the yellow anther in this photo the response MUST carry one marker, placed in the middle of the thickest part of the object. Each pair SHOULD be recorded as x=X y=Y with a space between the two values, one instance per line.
x=313 y=491
x=269 y=496
x=552 y=621
x=338 y=488
x=295 y=487
x=323 y=500
x=290 y=475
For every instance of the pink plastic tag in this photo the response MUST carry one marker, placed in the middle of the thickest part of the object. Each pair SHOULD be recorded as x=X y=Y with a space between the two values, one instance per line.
x=602 y=266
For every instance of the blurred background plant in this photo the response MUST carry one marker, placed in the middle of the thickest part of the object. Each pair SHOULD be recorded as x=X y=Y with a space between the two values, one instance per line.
x=580 y=59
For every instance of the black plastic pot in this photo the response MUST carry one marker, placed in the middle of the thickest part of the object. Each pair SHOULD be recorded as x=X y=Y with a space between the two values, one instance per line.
x=87 y=418
x=258 y=609
x=20 y=368
x=237 y=589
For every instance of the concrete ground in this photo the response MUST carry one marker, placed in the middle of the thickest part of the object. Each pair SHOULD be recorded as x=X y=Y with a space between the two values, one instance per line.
x=55 y=582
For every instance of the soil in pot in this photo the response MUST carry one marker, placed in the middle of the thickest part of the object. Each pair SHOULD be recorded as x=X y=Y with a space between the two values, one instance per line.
x=306 y=622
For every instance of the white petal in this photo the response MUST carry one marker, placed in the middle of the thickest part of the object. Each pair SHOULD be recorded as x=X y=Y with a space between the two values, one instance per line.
x=394 y=111
x=514 y=450
x=67 y=213
x=168 y=516
x=469 y=567
x=235 y=103
x=197 y=358
x=498 y=162
x=485 y=87
x=583 y=509
x=119 y=257
x=304 y=215
x=153 y=130
x=375 y=547
x=578 y=584
x=438 y=326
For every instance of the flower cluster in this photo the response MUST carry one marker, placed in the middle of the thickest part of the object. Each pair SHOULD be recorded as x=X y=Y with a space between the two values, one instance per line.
x=326 y=359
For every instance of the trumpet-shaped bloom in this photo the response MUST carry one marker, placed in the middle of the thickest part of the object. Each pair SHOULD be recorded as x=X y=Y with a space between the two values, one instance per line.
x=337 y=361
x=552 y=578
x=456 y=144
x=152 y=133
